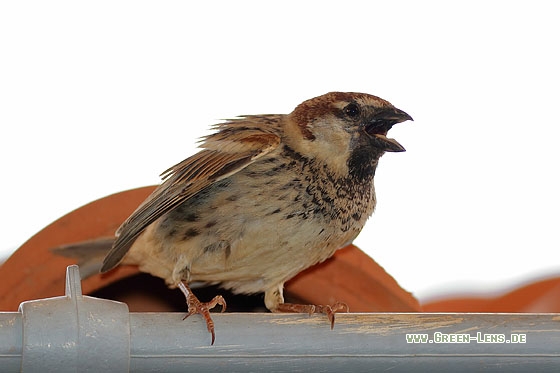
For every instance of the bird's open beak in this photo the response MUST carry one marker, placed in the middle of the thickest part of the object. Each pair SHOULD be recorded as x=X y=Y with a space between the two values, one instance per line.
x=382 y=123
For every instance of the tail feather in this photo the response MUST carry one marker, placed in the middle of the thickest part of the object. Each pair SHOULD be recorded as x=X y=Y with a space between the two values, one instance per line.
x=89 y=255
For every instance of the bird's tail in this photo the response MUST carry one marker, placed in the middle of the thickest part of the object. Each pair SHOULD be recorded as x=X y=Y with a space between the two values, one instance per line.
x=89 y=255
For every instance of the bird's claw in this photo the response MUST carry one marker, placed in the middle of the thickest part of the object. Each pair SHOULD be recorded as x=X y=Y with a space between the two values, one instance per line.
x=203 y=308
x=329 y=310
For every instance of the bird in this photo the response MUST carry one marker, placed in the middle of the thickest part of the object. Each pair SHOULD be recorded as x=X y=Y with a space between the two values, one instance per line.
x=266 y=197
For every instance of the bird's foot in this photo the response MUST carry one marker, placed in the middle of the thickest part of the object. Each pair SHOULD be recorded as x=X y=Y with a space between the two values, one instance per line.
x=196 y=306
x=328 y=310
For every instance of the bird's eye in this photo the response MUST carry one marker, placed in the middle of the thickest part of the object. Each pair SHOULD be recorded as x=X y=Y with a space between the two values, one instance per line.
x=352 y=110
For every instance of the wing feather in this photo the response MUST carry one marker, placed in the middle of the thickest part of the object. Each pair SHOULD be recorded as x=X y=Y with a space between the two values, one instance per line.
x=235 y=145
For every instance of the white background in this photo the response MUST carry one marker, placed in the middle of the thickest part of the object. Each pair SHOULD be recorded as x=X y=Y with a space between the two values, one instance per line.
x=100 y=97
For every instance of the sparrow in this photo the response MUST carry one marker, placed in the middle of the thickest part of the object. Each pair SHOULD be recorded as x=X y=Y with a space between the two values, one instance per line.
x=266 y=197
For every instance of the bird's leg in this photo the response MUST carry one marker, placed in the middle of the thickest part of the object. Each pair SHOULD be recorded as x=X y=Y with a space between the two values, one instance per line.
x=196 y=306
x=274 y=301
x=328 y=310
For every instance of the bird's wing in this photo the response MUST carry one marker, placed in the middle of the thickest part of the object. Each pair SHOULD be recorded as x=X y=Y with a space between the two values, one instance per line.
x=234 y=146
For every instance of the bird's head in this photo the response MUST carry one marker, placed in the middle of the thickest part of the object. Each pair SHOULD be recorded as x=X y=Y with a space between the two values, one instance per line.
x=345 y=131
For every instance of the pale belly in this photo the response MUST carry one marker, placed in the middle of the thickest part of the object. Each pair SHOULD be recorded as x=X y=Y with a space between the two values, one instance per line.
x=251 y=233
